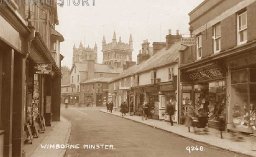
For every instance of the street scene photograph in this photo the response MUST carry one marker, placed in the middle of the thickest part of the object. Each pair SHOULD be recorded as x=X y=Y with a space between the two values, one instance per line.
x=127 y=78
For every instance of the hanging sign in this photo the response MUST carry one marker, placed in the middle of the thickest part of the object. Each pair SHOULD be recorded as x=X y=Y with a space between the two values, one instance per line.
x=43 y=68
x=188 y=41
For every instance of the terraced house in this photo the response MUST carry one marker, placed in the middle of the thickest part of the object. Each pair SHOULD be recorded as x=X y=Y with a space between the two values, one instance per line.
x=153 y=80
x=219 y=70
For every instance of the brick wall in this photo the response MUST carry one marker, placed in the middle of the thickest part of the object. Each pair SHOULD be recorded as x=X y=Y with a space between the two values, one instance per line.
x=207 y=42
x=228 y=32
x=210 y=10
x=251 y=17
x=188 y=55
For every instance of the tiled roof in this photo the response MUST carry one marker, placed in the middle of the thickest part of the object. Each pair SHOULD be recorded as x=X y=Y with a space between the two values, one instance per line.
x=104 y=68
x=161 y=58
x=80 y=67
x=100 y=79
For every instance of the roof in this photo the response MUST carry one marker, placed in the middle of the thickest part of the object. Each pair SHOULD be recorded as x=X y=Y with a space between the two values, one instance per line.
x=102 y=68
x=100 y=79
x=80 y=67
x=162 y=58
x=57 y=34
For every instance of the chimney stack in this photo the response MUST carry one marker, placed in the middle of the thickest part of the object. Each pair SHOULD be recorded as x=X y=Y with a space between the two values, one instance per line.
x=170 y=31
x=177 y=32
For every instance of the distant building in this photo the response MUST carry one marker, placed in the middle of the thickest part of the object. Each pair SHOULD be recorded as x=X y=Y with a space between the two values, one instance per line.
x=94 y=92
x=117 y=54
x=82 y=54
x=65 y=83
x=86 y=68
x=145 y=53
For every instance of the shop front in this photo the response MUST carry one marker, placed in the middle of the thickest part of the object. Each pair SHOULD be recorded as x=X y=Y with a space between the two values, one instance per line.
x=167 y=91
x=138 y=100
x=151 y=93
x=204 y=89
x=242 y=90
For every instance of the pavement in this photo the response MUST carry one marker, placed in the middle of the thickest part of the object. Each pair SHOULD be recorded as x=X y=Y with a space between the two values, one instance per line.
x=212 y=138
x=58 y=133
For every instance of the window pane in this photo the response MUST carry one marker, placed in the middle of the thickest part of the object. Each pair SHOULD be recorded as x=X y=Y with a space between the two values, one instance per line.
x=217 y=44
x=243 y=19
x=217 y=30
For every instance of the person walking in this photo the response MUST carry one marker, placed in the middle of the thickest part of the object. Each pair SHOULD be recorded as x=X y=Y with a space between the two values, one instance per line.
x=189 y=114
x=170 y=110
x=107 y=105
x=145 y=110
x=66 y=102
x=122 y=110
x=111 y=105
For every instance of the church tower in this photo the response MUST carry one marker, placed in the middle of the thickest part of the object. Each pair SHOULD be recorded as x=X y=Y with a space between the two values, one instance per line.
x=117 y=54
x=83 y=55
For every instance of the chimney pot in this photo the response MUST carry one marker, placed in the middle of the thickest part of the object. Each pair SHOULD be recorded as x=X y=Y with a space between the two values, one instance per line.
x=177 y=32
x=170 y=31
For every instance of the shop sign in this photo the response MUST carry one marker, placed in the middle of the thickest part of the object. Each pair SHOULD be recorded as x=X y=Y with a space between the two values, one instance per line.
x=43 y=68
x=151 y=89
x=186 y=87
x=188 y=41
x=168 y=87
x=206 y=74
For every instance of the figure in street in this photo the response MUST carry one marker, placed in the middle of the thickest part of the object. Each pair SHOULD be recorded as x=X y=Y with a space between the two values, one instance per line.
x=145 y=108
x=66 y=102
x=111 y=105
x=170 y=109
x=107 y=105
x=189 y=113
x=123 y=108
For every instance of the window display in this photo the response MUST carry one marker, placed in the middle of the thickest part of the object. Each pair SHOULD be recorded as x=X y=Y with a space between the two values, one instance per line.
x=243 y=99
x=217 y=100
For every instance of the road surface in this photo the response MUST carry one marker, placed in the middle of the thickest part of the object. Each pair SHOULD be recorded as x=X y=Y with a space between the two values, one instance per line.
x=97 y=134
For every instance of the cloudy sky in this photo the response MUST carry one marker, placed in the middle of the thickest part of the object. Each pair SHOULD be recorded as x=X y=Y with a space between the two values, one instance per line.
x=144 y=19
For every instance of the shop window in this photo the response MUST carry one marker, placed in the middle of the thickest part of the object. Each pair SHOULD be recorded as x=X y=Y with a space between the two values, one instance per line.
x=217 y=100
x=242 y=27
x=239 y=76
x=199 y=47
x=217 y=38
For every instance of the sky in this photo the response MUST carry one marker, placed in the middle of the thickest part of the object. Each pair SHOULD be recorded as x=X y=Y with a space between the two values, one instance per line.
x=144 y=19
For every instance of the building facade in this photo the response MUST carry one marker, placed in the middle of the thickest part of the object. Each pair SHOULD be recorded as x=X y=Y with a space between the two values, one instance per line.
x=94 y=92
x=154 y=80
x=28 y=65
x=218 y=71
x=86 y=68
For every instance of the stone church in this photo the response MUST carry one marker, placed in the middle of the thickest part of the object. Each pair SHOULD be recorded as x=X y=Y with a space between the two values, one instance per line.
x=117 y=54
